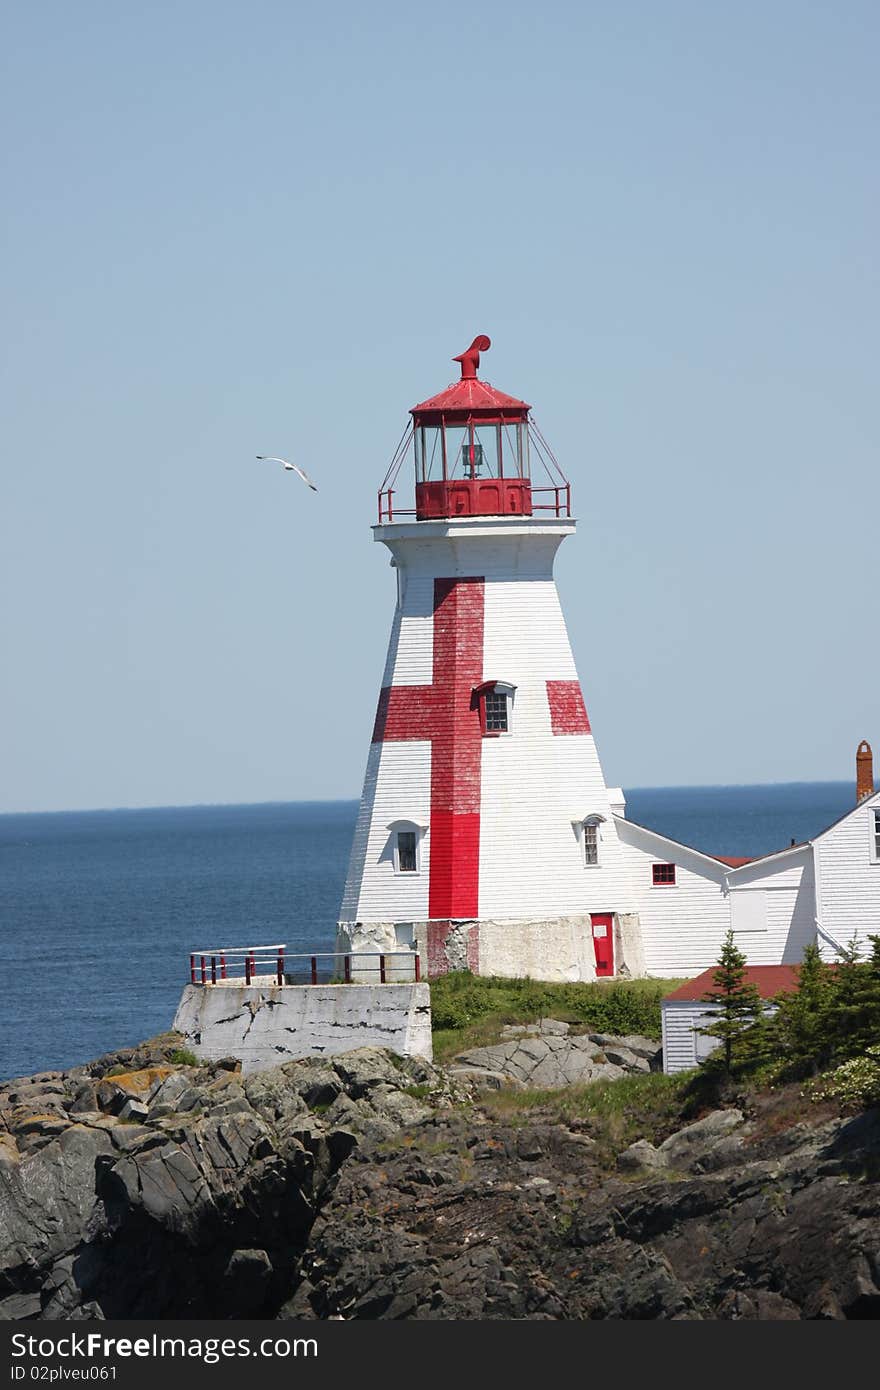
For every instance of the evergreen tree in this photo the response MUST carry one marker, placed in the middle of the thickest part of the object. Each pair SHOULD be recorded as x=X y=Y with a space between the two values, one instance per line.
x=802 y=1025
x=854 y=1009
x=739 y=1003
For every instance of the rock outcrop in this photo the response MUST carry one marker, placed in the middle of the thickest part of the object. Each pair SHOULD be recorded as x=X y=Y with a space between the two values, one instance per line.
x=475 y=1219
x=134 y=1187
x=547 y=1055
x=371 y=1186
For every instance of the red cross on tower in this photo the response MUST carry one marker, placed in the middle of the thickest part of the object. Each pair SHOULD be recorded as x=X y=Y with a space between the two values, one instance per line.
x=446 y=713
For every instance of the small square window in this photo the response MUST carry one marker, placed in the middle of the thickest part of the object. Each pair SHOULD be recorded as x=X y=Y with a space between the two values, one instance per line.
x=664 y=875
x=406 y=851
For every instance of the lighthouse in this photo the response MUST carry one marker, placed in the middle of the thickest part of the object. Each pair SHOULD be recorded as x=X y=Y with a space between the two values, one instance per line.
x=486 y=837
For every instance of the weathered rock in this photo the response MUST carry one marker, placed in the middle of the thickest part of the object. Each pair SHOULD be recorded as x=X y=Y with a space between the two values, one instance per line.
x=630 y=1061
x=483 y=1077
x=247 y=1276
x=134 y=1110
x=684 y=1148
x=641 y=1155
x=232 y=1198
x=553 y=1026
x=550 y=1059
x=365 y=1068
x=524 y=1224
x=190 y=1192
x=633 y=1042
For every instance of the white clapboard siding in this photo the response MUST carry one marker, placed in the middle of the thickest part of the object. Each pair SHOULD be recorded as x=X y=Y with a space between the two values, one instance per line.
x=772 y=907
x=682 y=926
x=683 y=1046
x=848 y=879
x=534 y=782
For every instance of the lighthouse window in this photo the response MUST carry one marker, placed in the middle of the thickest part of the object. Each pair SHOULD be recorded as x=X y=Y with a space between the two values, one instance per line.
x=496 y=712
x=406 y=852
x=494 y=699
x=591 y=842
x=664 y=875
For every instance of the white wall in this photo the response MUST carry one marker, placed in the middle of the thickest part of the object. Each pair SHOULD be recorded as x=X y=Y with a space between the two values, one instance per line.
x=683 y=1047
x=682 y=926
x=773 y=908
x=265 y=1025
x=848 y=879
x=534 y=782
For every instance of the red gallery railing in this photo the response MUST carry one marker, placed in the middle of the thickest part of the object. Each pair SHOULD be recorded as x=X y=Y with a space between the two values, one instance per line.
x=558 y=502
x=248 y=964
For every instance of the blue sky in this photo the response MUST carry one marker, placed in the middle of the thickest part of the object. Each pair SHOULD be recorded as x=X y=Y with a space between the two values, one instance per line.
x=236 y=229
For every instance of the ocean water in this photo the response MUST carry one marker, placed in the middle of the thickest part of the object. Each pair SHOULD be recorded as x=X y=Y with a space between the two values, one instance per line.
x=100 y=909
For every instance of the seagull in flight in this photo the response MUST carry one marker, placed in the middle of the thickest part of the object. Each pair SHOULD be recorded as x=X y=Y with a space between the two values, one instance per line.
x=291 y=467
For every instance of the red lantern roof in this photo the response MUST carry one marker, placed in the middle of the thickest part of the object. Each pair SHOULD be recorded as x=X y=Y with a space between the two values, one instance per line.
x=470 y=397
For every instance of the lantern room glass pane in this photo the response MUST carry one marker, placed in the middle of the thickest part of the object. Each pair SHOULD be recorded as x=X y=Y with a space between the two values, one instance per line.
x=515 y=448
x=429 y=454
x=472 y=455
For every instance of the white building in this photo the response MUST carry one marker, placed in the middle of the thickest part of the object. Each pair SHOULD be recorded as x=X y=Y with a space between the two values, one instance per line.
x=487 y=837
x=685 y=1013
x=826 y=890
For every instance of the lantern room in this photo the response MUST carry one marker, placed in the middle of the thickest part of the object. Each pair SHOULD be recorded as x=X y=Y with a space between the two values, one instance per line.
x=473 y=447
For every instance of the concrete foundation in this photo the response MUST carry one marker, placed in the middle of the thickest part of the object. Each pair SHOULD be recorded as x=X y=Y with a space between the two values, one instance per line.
x=557 y=949
x=265 y=1024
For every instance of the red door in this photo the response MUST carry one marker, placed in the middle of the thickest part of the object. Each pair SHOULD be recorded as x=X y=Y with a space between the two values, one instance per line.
x=603 y=943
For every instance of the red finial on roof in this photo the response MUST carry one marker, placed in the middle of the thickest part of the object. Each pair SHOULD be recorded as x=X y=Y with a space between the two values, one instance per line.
x=470 y=360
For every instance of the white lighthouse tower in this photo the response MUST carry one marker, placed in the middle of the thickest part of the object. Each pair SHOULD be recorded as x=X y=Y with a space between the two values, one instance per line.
x=486 y=836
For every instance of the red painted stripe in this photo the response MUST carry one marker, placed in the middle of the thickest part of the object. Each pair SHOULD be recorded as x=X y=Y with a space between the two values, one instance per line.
x=568 y=713
x=447 y=713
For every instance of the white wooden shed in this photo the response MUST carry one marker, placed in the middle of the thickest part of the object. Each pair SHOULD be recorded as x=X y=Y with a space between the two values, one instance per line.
x=685 y=1011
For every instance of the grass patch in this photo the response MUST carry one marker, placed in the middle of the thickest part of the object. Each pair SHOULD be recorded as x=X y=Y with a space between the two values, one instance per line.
x=614 y=1113
x=182 y=1057
x=469 y=1010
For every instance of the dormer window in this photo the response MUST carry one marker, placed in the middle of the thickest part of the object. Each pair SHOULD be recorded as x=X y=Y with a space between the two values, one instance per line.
x=406 y=852
x=406 y=836
x=591 y=841
x=586 y=829
x=495 y=701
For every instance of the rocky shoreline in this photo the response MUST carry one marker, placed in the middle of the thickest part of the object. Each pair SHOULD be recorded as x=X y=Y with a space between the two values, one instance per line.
x=373 y=1186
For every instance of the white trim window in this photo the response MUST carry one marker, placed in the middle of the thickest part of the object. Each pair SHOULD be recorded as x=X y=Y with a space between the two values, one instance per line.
x=589 y=836
x=591 y=841
x=495 y=704
x=406 y=852
x=406 y=846
x=875 y=839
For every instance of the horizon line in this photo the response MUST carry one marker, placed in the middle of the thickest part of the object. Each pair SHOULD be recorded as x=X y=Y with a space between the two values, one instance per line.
x=354 y=800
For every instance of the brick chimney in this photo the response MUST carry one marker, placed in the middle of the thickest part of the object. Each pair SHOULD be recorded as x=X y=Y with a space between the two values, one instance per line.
x=864 y=771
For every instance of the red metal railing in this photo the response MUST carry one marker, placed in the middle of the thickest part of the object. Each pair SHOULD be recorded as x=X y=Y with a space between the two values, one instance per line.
x=248 y=964
x=561 y=503
x=387 y=510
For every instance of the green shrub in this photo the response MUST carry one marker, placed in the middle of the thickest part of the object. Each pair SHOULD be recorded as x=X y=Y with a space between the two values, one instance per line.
x=856 y=1082
x=182 y=1057
x=460 y=1000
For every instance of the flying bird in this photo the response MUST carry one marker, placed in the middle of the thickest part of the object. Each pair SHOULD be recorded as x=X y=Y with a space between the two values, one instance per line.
x=291 y=468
